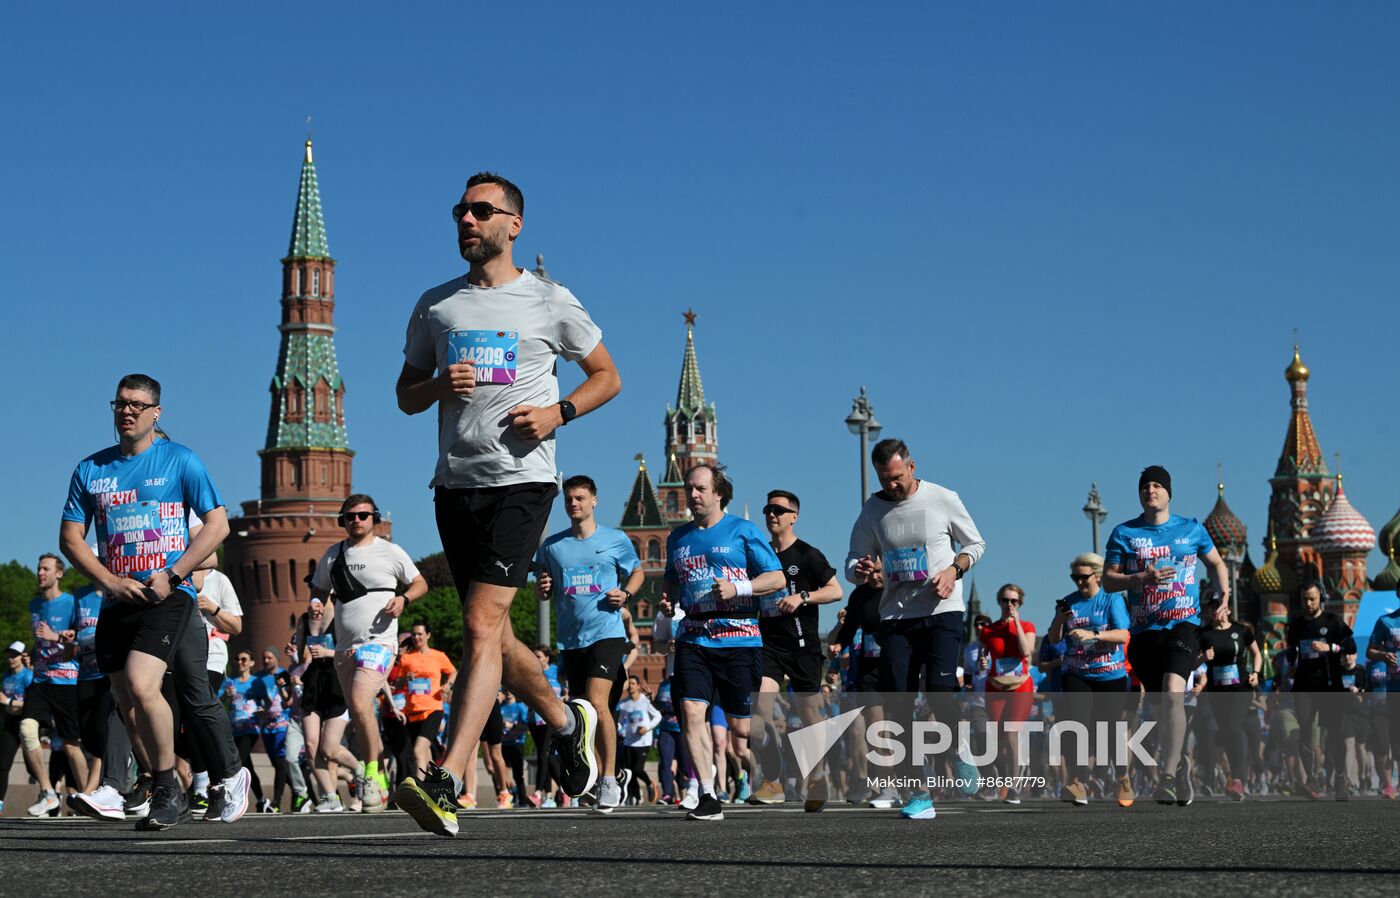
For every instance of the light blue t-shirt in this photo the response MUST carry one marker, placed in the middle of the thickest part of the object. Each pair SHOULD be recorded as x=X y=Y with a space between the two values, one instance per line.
x=272 y=716
x=141 y=505
x=583 y=570
x=733 y=549
x=242 y=708
x=1136 y=545
x=90 y=601
x=14 y=683
x=1095 y=660
x=61 y=614
x=516 y=717
x=1386 y=638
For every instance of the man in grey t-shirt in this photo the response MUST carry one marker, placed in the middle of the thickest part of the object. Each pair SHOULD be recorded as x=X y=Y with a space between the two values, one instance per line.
x=483 y=348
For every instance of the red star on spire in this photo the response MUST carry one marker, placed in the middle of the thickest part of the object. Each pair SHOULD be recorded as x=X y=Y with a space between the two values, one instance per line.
x=689 y=317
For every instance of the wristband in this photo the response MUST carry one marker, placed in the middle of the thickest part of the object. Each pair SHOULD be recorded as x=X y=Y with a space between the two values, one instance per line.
x=743 y=588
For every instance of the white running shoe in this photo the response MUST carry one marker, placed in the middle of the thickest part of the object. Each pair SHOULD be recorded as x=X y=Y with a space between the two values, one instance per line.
x=372 y=799
x=103 y=804
x=329 y=804
x=235 y=796
x=48 y=801
x=692 y=796
x=609 y=797
x=888 y=798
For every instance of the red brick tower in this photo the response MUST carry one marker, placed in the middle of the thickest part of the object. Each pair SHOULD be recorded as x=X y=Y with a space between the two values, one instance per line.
x=306 y=458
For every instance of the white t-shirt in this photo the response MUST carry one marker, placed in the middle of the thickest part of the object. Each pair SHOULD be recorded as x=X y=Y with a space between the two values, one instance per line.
x=514 y=334
x=916 y=537
x=381 y=565
x=632 y=716
x=220 y=589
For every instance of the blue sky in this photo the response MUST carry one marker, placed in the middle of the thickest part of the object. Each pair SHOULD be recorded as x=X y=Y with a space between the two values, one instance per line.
x=1057 y=242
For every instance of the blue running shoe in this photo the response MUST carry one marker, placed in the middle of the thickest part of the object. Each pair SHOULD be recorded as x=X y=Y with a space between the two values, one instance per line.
x=966 y=774
x=918 y=807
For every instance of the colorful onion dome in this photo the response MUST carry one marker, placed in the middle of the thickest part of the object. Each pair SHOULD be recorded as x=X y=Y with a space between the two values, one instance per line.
x=1224 y=527
x=1342 y=528
x=1296 y=370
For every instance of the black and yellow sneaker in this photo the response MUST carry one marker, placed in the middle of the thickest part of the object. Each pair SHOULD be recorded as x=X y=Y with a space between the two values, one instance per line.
x=431 y=800
x=578 y=766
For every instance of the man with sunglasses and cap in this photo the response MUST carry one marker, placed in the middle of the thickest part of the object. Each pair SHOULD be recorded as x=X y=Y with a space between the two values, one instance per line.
x=484 y=348
x=139 y=494
x=792 y=641
x=371 y=581
x=1153 y=559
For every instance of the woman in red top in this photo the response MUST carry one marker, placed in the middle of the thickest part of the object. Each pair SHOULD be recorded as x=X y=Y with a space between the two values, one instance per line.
x=1010 y=690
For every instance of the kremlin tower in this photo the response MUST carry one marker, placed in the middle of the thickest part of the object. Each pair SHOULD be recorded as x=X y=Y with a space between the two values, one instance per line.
x=275 y=544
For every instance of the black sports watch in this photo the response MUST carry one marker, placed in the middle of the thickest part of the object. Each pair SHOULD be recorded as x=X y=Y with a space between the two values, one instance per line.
x=174 y=578
x=567 y=411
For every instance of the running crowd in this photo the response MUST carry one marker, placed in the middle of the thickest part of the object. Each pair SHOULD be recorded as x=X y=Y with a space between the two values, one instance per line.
x=130 y=674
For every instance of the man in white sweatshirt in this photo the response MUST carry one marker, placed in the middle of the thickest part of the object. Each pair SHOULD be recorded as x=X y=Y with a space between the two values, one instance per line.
x=927 y=542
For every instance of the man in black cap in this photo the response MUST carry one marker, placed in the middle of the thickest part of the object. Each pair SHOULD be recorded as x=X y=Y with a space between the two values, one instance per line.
x=1153 y=559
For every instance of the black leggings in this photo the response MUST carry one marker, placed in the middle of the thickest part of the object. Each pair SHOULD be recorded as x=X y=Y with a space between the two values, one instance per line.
x=245 y=745
x=9 y=747
x=1088 y=702
x=634 y=758
x=1230 y=707
x=546 y=765
x=1325 y=708
x=514 y=755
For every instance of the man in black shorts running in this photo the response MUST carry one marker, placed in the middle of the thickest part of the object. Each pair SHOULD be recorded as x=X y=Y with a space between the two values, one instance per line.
x=792 y=642
x=139 y=494
x=484 y=348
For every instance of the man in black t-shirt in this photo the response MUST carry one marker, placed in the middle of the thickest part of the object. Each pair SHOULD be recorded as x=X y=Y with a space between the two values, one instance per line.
x=792 y=641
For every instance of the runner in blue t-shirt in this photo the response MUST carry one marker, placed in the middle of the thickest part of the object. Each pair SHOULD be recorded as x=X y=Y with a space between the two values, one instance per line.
x=584 y=568
x=515 y=726
x=1093 y=627
x=717 y=569
x=16 y=680
x=53 y=616
x=1153 y=559
x=1383 y=656
x=94 y=687
x=139 y=494
x=272 y=725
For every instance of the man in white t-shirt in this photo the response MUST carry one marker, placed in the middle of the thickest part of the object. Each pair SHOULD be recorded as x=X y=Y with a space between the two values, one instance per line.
x=371 y=580
x=927 y=542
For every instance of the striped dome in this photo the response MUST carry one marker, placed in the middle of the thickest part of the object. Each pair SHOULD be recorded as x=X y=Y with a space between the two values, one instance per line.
x=1224 y=527
x=1342 y=528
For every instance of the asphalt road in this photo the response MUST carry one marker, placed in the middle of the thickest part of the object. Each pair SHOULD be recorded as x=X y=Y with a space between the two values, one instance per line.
x=1211 y=848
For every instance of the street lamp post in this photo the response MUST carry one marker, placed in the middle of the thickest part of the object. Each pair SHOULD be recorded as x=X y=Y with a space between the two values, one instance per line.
x=862 y=422
x=1095 y=512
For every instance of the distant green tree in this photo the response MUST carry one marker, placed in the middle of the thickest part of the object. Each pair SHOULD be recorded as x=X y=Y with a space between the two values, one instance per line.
x=442 y=609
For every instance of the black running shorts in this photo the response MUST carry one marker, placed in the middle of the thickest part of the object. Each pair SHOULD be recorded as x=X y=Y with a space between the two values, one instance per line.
x=490 y=534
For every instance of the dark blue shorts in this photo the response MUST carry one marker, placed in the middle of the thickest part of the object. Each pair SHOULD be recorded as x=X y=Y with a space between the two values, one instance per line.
x=922 y=653
x=726 y=677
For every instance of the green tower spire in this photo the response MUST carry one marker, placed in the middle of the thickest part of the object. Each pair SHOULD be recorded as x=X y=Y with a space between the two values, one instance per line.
x=308 y=225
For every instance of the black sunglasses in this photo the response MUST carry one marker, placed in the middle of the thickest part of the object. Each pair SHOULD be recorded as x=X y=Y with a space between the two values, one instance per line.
x=1081 y=578
x=480 y=211
x=356 y=515
x=778 y=511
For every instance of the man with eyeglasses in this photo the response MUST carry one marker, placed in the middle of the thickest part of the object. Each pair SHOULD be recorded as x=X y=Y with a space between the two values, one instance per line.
x=484 y=348
x=927 y=543
x=139 y=494
x=792 y=641
x=585 y=567
x=1153 y=559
